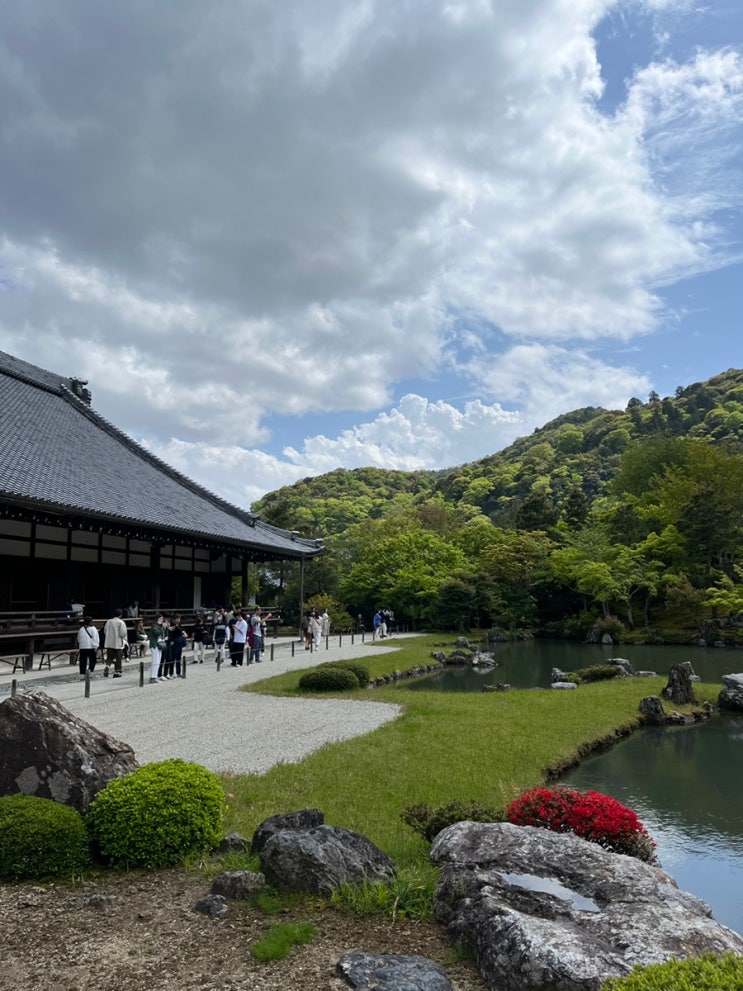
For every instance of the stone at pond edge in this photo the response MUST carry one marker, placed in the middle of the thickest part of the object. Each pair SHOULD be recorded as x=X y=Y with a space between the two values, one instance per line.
x=48 y=752
x=304 y=819
x=391 y=972
x=731 y=696
x=652 y=711
x=679 y=689
x=320 y=860
x=622 y=663
x=553 y=911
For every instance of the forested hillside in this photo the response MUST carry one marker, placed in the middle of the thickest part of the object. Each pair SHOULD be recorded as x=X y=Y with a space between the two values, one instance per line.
x=635 y=514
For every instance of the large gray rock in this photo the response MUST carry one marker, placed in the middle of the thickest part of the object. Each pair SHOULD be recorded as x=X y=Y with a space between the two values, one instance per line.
x=679 y=689
x=238 y=885
x=47 y=752
x=731 y=696
x=392 y=972
x=322 y=859
x=652 y=711
x=302 y=820
x=623 y=664
x=549 y=910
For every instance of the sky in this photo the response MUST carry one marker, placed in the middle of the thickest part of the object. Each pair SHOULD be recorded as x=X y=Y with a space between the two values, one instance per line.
x=282 y=238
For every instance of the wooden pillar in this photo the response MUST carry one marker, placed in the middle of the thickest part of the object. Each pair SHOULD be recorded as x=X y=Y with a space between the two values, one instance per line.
x=155 y=575
x=244 y=584
x=301 y=591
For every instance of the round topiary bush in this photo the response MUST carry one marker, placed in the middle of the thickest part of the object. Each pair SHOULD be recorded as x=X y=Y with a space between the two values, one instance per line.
x=589 y=814
x=328 y=679
x=41 y=838
x=158 y=815
x=361 y=672
x=706 y=973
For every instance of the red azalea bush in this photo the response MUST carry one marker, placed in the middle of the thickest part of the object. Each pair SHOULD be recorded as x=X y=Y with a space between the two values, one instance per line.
x=589 y=814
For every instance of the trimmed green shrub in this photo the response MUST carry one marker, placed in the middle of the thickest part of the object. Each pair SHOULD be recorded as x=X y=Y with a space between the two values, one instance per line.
x=41 y=838
x=706 y=973
x=599 y=672
x=327 y=679
x=361 y=672
x=158 y=815
x=429 y=822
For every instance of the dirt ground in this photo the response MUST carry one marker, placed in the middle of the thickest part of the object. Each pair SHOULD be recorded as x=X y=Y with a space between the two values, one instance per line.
x=140 y=932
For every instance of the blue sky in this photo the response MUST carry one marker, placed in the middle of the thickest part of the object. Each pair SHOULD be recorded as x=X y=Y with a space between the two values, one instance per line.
x=283 y=238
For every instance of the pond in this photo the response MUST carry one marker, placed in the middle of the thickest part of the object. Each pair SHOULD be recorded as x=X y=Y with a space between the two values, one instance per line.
x=685 y=783
x=529 y=664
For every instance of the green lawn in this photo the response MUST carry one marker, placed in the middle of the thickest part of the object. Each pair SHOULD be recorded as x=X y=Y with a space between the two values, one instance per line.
x=486 y=747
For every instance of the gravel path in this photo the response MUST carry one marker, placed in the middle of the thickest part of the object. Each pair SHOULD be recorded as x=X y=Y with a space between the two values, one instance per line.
x=204 y=718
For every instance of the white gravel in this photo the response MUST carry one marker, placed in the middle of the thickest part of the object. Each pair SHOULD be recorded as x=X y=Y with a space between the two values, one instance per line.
x=204 y=718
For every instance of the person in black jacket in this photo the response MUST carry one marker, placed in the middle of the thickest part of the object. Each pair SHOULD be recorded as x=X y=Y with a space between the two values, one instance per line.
x=220 y=632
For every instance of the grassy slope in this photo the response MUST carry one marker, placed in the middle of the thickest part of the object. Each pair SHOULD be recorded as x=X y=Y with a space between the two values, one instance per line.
x=488 y=747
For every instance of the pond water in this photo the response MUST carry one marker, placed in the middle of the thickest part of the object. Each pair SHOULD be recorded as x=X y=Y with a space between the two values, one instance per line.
x=529 y=664
x=685 y=783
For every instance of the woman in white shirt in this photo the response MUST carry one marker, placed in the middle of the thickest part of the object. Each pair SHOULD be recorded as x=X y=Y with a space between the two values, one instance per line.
x=88 y=642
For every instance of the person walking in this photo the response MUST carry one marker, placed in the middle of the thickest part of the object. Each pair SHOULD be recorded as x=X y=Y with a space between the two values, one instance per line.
x=115 y=636
x=325 y=624
x=305 y=636
x=315 y=629
x=87 y=643
x=378 y=624
x=198 y=634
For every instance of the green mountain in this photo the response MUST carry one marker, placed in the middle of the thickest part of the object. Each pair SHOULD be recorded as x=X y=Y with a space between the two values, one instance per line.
x=552 y=476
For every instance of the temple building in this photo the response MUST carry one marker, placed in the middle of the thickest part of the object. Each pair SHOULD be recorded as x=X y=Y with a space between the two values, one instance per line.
x=89 y=515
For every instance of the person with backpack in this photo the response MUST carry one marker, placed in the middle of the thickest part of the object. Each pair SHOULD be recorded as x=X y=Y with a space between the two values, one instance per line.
x=87 y=643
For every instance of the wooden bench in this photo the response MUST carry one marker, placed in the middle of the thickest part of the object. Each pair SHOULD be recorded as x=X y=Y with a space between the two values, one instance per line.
x=17 y=660
x=47 y=656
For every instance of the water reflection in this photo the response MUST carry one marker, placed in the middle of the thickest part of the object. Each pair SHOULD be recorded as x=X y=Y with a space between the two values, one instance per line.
x=686 y=784
x=529 y=664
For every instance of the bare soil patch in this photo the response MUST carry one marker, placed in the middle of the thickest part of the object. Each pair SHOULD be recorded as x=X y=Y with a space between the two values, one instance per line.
x=139 y=932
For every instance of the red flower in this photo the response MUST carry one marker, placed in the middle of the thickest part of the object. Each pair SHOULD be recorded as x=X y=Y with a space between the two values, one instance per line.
x=589 y=814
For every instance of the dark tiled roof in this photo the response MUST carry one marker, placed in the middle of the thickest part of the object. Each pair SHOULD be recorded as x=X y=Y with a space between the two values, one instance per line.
x=57 y=452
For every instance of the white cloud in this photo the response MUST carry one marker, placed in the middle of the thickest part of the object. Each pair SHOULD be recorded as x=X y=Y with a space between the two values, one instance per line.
x=545 y=381
x=414 y=434
x=220 y=213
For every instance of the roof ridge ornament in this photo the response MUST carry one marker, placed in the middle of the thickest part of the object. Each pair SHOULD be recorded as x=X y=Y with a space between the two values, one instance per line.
x=78 y=387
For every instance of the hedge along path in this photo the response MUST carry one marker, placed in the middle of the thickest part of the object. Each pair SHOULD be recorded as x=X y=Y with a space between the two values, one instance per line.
x=487 y=747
